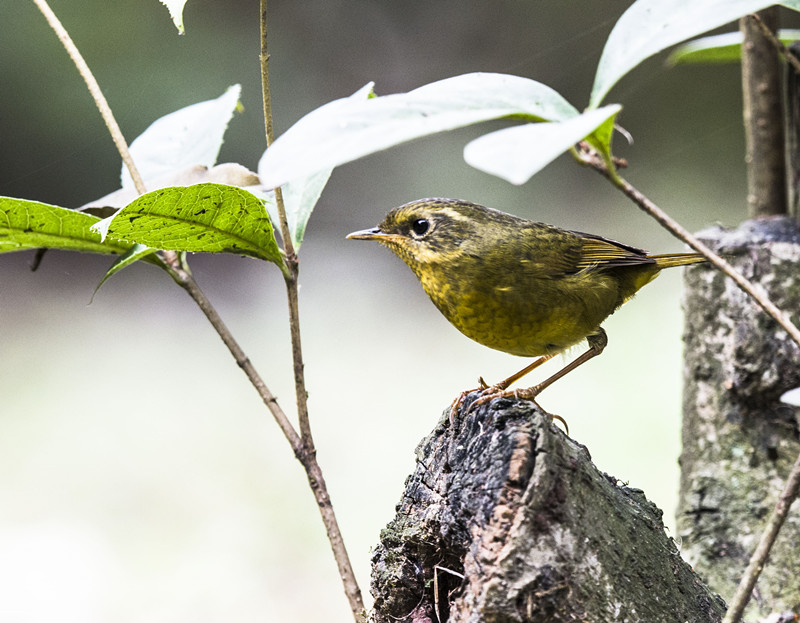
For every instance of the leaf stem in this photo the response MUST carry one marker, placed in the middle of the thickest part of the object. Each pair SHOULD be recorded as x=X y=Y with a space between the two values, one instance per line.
x=94 y=89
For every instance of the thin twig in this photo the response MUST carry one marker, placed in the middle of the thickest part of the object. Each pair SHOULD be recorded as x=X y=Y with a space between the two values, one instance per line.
x=759 y=557
x=775 y=41
x=288 y=245
x=290 y=256
x=596 y=162
x=94 y=89
x=308 y=458
x=301 y=394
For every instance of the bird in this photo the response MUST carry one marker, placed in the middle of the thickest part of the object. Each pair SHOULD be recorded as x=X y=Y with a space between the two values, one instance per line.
x=515 y=285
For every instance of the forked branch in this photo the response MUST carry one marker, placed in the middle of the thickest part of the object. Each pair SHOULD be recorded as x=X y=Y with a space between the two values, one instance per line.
x=302 y=444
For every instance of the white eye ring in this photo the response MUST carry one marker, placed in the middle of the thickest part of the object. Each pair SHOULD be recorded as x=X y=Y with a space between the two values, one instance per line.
x=420 y=227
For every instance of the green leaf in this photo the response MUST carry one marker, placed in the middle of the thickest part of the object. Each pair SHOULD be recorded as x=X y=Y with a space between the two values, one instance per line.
x=185 y=138
x=132 y=255
x=300 y=197
x=33 y=225
x=516 y=154
x=725 y=48
x=211 y=218
x=344 y=130
x=600 y=139
x=228 y=173
x=649 y=26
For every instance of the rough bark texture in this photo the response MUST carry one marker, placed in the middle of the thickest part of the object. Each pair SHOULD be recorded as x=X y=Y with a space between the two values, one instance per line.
x=506 y=519
x=739 y=440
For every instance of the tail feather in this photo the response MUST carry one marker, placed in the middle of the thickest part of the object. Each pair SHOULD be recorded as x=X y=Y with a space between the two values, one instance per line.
x=649 y=272
x=668 y=260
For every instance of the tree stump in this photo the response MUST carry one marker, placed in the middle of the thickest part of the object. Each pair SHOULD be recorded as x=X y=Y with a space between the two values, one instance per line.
x=506 y=519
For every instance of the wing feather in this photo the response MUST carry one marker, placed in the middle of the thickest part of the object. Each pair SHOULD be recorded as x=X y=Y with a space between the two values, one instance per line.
x=599 y=252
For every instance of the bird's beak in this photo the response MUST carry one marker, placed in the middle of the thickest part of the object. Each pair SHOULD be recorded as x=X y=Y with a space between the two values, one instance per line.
x=368 y=234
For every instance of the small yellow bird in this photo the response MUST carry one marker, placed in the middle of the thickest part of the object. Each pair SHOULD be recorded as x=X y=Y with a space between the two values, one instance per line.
x=518 y=286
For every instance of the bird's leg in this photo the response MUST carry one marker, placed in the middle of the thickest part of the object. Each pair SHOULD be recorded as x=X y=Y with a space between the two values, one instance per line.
x=491 y=391
x=597 y=343
x=499 y=387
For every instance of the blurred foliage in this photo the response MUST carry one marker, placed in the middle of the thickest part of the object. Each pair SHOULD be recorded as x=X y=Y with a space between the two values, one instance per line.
x=59 y=152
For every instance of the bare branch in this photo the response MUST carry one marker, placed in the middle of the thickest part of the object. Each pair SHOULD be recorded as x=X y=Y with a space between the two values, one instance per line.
x=306 y=456
x=289 y=252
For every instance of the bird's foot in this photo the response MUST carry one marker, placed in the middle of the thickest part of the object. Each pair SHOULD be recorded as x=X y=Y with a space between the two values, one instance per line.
x=455 y=406
x=529 y=393
x=498 y=391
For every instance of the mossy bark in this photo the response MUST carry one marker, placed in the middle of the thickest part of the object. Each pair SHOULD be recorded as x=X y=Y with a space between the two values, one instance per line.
x=506 y=519
x=739 y=440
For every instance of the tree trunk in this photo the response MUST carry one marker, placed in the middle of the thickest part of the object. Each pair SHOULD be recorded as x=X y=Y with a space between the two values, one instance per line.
x=506 y=519
x=739 y=439
x=763 y=118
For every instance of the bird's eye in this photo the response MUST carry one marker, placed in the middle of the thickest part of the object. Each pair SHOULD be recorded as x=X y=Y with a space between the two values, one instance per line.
x=420 y=227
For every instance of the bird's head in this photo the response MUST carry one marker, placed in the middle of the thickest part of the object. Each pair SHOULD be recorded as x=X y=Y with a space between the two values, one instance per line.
x=430 y=231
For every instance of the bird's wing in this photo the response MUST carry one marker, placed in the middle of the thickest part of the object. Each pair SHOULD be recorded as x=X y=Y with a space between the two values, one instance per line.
x=548 y=252
x=601 y=253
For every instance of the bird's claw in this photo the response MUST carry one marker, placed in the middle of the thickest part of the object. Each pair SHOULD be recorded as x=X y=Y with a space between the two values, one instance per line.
x=483 y=387
x=490 y=393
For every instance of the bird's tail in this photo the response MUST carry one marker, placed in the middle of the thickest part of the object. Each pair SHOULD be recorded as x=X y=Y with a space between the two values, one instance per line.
x=668 y=260
x=648 y=272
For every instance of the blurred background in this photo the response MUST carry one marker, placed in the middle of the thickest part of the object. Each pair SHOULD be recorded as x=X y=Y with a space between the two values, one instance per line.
x=141 y=479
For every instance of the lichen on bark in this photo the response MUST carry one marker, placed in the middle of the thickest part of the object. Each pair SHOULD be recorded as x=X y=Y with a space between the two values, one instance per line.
x=739 y=440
